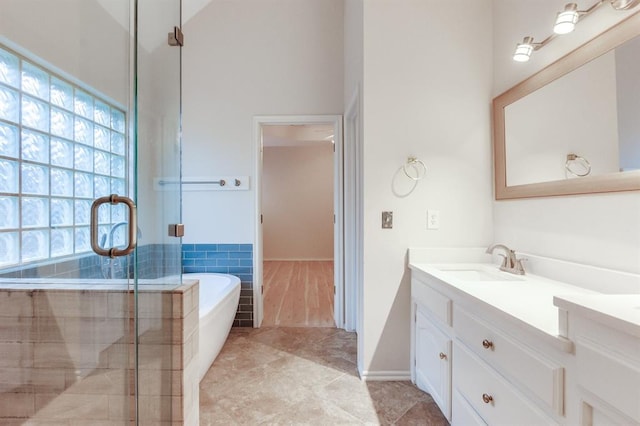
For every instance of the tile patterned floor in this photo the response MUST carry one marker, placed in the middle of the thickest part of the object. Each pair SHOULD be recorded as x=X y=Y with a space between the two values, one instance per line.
x=278 y=376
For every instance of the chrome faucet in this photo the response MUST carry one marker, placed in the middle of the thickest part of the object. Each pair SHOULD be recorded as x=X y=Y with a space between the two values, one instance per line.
x=510 y=263
x=113 y=267
x=113 y=230
x=108 y=238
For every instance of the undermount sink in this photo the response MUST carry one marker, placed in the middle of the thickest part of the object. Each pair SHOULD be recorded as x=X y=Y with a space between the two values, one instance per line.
x=479 y=274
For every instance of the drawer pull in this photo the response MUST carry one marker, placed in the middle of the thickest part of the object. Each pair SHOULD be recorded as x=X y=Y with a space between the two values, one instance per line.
x=487 y=398
x=443 y=355
x=487 y=344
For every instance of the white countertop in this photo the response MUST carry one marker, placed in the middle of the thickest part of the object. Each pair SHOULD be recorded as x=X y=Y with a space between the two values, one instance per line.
x=528 y=299
x=619 y=311
x=607 y=296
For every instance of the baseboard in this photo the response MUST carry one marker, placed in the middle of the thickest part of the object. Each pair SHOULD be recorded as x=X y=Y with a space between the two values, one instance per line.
x=381 y=376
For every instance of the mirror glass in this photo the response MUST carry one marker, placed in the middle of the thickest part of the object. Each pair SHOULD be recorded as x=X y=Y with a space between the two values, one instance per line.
x=573 y=127
x=585 y=123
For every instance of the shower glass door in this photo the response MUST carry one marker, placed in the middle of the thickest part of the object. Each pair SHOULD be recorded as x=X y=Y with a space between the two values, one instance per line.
x=158 y=196
x=89 y=106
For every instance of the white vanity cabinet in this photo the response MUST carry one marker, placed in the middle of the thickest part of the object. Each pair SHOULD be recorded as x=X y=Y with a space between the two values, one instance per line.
x=473 y=366
x=432 y=343
x=606 y=375
x=525 y=350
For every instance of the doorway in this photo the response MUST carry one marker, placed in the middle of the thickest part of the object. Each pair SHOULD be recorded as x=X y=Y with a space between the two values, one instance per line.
x=299 y=242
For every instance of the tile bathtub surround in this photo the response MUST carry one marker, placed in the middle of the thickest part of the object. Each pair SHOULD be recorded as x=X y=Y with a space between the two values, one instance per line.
x=154 y=261
x=87 y=266
x=159 y=260
x=66 y=356
x=234 y=259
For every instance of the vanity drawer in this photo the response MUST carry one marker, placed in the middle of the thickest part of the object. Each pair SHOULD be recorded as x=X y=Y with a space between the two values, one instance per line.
x=543 y=378
x=463 y=412
x=438 y=305
x=492 y=397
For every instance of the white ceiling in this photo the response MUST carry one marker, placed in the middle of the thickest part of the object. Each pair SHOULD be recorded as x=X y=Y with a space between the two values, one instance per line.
x=296 y=135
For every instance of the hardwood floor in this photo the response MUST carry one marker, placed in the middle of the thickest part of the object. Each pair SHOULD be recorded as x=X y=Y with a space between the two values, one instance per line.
x=298 y=294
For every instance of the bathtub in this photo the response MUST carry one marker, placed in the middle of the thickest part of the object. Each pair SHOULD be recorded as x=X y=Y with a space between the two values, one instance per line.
x=219 y=297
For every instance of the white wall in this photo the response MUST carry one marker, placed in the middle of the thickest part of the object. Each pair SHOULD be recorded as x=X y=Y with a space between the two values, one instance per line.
x=297 y=202
x=353 y=48
x=422 y=97
x=602 y=230
x=244 y=58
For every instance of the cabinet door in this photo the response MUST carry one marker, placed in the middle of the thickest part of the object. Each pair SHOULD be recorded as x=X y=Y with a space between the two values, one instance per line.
x=433 y=362
x=595 y=412
x=610 y=376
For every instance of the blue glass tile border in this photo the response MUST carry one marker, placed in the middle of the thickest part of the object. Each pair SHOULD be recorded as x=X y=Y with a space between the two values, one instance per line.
x=234 y=259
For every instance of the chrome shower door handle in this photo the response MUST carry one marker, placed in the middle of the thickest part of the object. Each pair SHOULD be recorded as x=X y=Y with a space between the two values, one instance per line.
x=133 y=226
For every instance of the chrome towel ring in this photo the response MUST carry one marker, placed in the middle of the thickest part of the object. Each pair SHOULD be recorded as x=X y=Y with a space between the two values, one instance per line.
x=575 y=162
x=414 y=168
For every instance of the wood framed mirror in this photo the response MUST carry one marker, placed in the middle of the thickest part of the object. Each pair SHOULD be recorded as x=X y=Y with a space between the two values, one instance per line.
x=573 y=127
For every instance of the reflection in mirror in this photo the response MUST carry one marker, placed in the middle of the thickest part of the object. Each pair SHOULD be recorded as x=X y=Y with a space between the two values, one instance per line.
x=628 y=91
x=591 y=113
x=574 y=127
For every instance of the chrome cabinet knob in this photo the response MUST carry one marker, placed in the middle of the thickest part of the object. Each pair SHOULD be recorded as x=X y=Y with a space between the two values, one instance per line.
x=487 y=344
x=443 y=355
x=487 y=399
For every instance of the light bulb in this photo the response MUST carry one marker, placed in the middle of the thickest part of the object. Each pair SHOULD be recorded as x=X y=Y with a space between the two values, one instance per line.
x=624 y=4
x=523 y=50
x=567 y=19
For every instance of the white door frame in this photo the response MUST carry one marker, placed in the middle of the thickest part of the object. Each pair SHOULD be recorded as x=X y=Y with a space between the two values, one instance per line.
x=338 y=191
x=353 y=214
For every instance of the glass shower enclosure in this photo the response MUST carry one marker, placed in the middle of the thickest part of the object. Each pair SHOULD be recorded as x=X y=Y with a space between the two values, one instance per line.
x=90 y=106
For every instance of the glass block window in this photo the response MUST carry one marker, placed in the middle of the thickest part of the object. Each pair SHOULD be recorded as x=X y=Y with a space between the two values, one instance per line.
x=61 y=146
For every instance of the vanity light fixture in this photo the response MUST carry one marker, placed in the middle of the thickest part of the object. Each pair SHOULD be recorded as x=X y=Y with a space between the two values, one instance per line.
x=567 y=19
x=525 y=49
x=565 y=23
x=624 y=4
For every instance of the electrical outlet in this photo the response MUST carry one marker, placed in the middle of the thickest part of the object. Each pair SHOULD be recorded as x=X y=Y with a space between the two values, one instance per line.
x=433 y=219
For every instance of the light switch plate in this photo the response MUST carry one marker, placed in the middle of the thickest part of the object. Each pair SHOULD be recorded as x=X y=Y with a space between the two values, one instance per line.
x=387 y=220
x=433 y=219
